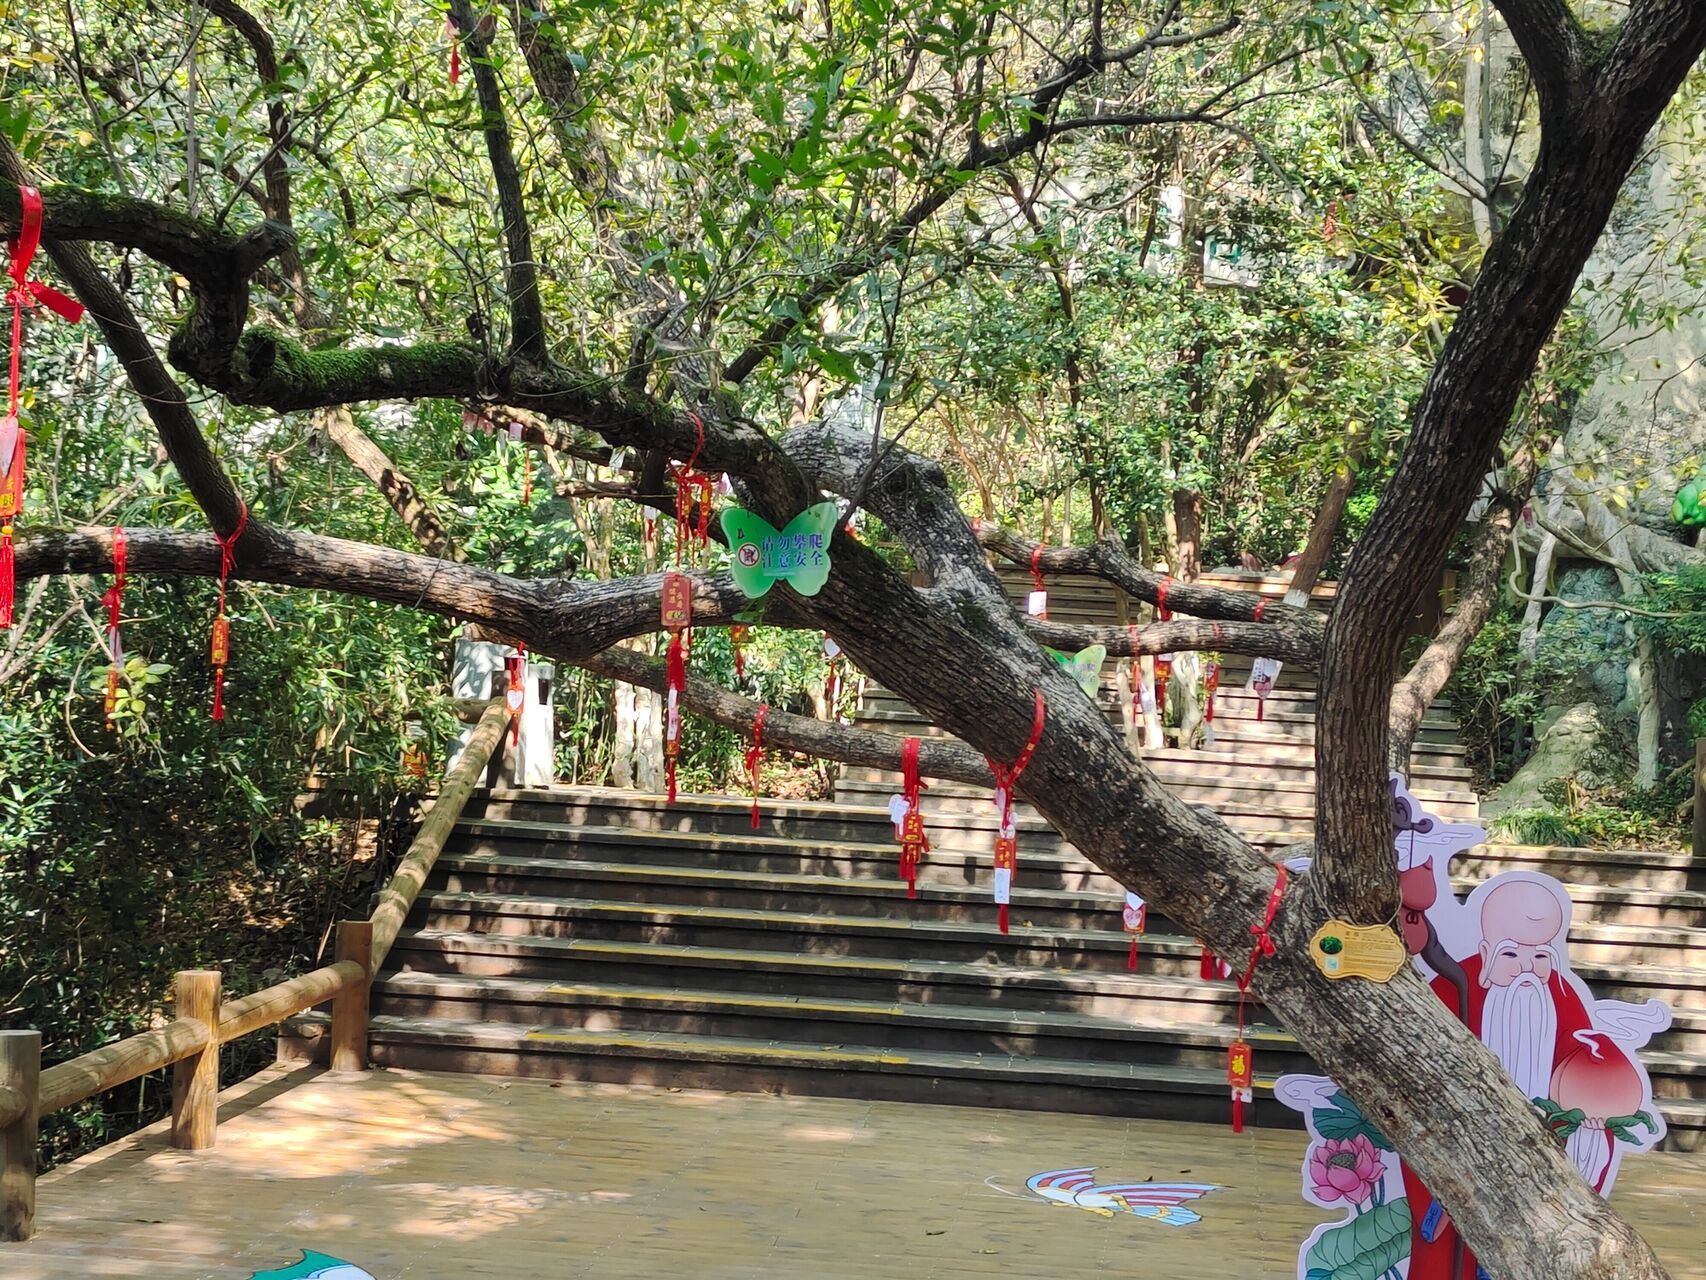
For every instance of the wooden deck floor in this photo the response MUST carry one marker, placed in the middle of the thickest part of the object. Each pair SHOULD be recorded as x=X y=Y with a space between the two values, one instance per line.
x=430 y=1177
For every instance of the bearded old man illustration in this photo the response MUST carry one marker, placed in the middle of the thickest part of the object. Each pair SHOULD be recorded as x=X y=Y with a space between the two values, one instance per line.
x=1529 y=1016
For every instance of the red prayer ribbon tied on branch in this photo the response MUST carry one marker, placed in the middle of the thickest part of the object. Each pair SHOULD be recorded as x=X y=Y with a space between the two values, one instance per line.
x=21 y=295
x=755 y=757
x=455 y=51
x=515 y=691
x=914 y=844
x=1240 y=1063
x=114 y=601
x=694 y=491
x=1037 y=605
x=1162 y=612
x=1007 y=835
x=677 y=666
x=221 y=646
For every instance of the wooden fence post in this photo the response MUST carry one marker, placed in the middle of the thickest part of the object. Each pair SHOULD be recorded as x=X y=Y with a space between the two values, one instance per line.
x=349 y=1008
x=195 y=1079
x=20 y=1077
x=1700 y=797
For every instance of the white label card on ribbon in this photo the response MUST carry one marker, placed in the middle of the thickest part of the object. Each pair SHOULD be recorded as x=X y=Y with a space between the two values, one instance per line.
x=1003 y=885
x=897 y=811
x=830 y=648
x=672 y=726
x=1036 y=604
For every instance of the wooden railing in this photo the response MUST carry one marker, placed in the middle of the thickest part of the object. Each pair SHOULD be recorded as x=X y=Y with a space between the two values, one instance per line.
x=189 y=1044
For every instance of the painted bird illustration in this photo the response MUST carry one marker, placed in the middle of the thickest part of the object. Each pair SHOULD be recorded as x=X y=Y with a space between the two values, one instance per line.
x=1157 y=1201
x=315 y=1266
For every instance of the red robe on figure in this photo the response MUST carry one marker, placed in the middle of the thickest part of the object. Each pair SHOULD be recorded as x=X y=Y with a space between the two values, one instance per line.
x=1432 y=1260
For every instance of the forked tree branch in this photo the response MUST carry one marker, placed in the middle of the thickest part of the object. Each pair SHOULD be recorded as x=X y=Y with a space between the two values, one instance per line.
x=1524 y=284
x=1554 y=46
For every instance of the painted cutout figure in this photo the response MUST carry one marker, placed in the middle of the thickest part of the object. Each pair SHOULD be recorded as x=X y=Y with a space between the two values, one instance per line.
x=1158 y=1201
x=315 y=1266
x=1499 y=960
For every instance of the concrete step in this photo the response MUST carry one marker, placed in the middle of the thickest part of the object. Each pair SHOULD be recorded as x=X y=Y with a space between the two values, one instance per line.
x=803 y=1068
x=1659 y=958
x=862 y=880
x=1285 y=714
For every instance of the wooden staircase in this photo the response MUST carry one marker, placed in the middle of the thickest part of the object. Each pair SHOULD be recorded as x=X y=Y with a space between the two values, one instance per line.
x=595 y=934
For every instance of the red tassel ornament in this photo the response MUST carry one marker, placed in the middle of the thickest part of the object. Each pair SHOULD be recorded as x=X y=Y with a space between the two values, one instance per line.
x=114 y=601
x=220 y=646
x=677 y=666
x=914 y=844
x=755 y=757
x=1007 y=834
x=21 y=295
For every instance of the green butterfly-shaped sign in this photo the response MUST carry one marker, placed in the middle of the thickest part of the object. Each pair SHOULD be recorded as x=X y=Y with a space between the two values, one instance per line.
x=759 y=554
x=1085 y=666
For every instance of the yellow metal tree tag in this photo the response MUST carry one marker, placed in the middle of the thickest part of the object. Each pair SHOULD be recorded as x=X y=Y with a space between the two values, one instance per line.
x=1344 y=950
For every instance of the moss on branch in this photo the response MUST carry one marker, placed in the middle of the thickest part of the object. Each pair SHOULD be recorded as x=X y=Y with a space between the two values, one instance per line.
x=271 y=369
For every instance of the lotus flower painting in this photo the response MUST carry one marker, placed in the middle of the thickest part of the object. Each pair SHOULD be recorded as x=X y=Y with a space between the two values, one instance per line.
x=1499 y=960
x=315 y=1266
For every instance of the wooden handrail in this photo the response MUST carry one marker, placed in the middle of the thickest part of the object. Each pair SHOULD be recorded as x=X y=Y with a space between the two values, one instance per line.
x=237 y=1018
x=111 y=1065
x=399 y=896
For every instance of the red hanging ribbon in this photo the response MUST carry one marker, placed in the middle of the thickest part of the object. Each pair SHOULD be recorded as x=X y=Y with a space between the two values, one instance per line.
x=1136 y=676
x=114 y=601
x=1161 y=610
x=1037 y=579
x=1256 y=613
x=21 y=295
x=677 y=665
x=11 y=503
x=221 y=645
x=455 y=51
x=914 y=844
x=737 y=641
x=755 y=757
x=1240 y=1063
x=1007 y=836
x=694 y=491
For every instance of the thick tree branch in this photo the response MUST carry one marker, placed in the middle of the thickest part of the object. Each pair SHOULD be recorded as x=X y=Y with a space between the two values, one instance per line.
x=197 y=250
x=570 y=619
x=1280 y=640
x=527 y=314
x=1109 y=560
x=1553 y=45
